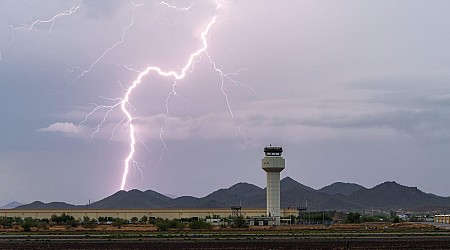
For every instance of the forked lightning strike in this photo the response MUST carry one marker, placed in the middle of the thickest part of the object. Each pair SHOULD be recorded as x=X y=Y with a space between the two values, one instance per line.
x=175 y=75
x=33 y=25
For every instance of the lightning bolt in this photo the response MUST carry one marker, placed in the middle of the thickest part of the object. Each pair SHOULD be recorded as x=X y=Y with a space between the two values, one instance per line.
x=124 y=102
x=175 y=7
x=176 y=75
x=51 y=21
x=105 y=52
x=33 y=25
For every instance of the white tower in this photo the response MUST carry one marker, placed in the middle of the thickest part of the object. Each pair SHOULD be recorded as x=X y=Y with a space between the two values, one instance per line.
x=273 y=164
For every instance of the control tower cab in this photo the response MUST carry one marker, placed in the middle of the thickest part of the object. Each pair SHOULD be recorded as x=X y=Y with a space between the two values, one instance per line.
x=273 y=164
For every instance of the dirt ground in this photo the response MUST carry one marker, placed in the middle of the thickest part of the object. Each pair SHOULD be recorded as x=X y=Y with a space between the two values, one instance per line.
x=338 y=236
x=219 y=244
x=153 y=228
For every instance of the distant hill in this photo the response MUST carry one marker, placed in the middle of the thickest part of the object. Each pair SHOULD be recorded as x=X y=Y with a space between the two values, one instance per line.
x=10 y=205
x=133 y=199
x=338 y=196
x=42 y=205
x=244 y=194
x=391 y=195
x=341 y=188
x=295 y=194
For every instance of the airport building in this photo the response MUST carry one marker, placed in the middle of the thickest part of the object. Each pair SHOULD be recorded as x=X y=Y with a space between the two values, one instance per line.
x=165 y=213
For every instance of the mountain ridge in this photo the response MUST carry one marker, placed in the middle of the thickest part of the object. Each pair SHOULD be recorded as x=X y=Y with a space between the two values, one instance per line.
x=386 y=196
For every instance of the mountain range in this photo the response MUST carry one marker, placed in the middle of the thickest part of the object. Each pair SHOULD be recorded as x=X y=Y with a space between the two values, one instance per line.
x=337 y=196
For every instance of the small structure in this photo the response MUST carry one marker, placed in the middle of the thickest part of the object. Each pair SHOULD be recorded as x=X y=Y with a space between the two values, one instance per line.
x=236 y=211
x=300 y=210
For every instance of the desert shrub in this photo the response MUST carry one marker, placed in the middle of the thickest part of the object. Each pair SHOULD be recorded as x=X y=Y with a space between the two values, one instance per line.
x=239 y=222
x=88 y=222
x=62 y=219
x=143 y=220
x=26 y=226
x=42 y=225
x=134 y=220
x=6 y=222
x=163 y=225
x=396 y=219
x=118 y=222
x=353 y=217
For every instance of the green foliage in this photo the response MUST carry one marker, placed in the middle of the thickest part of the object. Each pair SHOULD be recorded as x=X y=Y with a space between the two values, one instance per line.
x=105 y=219
x=164 y=225
x=143 y=220
x=42 y=225
x=239 y=222
x=152 y=220
x=63 y=219
x=353 y=217
x=199 y=224
x=134 y=220
x=118 y=222
x=6 y=222
x=28 y=223
x=26 y=226
x=87 y=222
x=18 y=220
x=396 y=219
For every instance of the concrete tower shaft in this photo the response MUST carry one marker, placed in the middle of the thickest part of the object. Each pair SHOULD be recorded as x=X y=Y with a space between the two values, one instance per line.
x=273 y=164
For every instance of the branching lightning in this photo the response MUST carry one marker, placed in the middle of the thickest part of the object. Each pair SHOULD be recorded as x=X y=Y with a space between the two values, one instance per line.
x=105 y=52
x=176 y=75
x=124 y=102
x=33 y=25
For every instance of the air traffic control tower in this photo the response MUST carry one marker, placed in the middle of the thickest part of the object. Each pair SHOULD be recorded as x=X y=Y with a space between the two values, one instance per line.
x=273 y=164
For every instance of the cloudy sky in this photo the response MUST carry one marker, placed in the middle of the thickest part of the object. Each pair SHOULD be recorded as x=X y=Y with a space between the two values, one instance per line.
x=354 y=91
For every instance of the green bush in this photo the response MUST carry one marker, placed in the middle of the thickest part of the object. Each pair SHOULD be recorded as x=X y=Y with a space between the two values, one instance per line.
x=63 y=219
x=6 y=222
x=26 y=226
x=163 y=225
x=353 y=217
x=134 y=220
x=118 y=222
x=143 y=220
x=239 y=222
x=396 y=219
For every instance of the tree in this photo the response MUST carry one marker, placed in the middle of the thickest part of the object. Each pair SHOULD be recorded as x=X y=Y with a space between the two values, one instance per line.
x=163 y=225
x=87 y=222
x=134 y=220
x=396 y=219
x=27 y=223
x=353 y=217
x=118 y=222
x=143 y=220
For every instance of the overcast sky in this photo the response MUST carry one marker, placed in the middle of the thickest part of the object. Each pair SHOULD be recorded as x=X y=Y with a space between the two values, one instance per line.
x=354 y=91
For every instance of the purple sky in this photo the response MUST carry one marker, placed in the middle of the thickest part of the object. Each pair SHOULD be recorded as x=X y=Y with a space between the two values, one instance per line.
x=354 y=91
